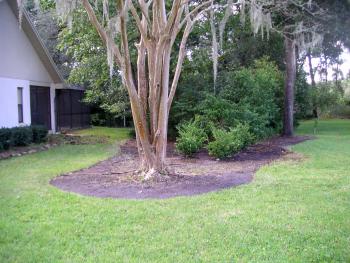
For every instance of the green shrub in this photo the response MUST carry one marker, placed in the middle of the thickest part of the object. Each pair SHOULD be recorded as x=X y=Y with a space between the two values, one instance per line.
x=5 y=138
x=242 y=132
x=191 y=138
x=256 y=95
x=325 y=96
x=39 y=134
x=252 y=95
x=219 y=111
x=227 y=143
x=21 y=136
x=205 y=125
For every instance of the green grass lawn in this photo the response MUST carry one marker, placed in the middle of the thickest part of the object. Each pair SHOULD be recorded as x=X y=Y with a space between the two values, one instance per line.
x=121 y=134
x=291 y=212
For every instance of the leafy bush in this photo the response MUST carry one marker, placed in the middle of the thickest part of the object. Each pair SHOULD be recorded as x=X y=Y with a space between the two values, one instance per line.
x=5 y=139
x=252 y=95
x=242 y=132
x=191 y=138
x=205 y=124
x=303 y=100
x=324 y=97
x=227 y=143
x=39 y=134
x=256 y=95
x=21 y=136
x=219 y=111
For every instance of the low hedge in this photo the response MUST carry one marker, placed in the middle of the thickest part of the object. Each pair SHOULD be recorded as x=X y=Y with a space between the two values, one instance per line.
x=5 y=139
x=22 y=136
x=39 y=133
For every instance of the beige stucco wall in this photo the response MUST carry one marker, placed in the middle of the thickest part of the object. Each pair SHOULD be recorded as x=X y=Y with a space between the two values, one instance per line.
x=18 y=58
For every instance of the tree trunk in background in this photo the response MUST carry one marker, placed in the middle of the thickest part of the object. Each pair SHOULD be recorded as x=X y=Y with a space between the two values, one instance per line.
x=312 y=77
x=326 y=69
x=290 y=76
x=311 y=70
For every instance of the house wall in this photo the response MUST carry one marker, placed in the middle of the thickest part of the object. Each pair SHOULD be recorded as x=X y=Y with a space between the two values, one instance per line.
x=18 y=59
x=9 y=102
x=20 y=66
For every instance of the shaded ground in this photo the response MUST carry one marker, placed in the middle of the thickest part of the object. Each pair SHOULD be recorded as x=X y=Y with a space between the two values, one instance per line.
x=115 y=177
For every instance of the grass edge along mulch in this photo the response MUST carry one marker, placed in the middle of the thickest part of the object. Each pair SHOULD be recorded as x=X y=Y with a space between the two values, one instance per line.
x=116 y=176
x=290 y=212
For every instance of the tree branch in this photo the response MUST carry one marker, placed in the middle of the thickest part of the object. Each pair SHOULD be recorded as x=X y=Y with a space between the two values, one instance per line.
x=182 y=53
x=138 y=22
x=102 y=32
x=194 y=12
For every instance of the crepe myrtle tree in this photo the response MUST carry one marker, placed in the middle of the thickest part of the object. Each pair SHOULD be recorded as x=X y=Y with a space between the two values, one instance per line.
x=160 y=24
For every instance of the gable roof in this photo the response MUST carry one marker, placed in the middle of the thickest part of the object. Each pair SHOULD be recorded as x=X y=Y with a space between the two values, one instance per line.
x=37 y=43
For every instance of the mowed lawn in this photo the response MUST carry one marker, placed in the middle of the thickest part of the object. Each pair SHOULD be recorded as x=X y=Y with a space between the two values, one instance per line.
x=291 y=212
x=111 y=133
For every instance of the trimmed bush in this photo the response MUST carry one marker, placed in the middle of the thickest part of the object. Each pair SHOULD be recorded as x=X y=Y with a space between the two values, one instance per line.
x=227 y=143
x=191 y=138
x=21 y=136
x=5 y=139
x=39 y=134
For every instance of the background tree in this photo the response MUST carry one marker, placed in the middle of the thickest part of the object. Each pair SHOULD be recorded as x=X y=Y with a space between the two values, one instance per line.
x=298 y=22
x=149 y=90
x=163 y=29
x=104 y=89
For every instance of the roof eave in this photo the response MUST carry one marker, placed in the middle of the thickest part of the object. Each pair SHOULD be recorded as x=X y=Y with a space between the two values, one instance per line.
x=29 y=29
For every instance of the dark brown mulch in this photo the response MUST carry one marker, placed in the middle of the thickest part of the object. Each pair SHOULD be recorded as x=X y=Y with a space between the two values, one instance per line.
x=115 y=177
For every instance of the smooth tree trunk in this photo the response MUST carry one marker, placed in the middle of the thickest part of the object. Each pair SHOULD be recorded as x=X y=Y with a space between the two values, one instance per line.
x=290 y=76
x=150 y=89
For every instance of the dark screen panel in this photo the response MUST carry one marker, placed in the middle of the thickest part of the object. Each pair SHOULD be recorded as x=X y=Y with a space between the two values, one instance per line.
x=71 y=111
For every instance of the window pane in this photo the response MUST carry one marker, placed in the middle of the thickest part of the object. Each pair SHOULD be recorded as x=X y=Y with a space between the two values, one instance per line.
x=20 y=104
x=20 y=113
x=20 y=95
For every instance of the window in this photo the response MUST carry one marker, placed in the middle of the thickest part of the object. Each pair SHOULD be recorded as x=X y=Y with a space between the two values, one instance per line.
x=20 y=104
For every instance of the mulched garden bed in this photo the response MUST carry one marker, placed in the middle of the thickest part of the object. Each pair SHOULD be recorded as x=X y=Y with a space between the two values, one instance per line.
x=116 y=178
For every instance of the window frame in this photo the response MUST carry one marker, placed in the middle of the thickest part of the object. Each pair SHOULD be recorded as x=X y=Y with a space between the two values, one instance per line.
x=20 y=105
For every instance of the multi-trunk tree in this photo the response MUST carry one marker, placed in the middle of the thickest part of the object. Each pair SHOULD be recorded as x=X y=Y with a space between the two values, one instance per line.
x=150 y=84
x=159 y=24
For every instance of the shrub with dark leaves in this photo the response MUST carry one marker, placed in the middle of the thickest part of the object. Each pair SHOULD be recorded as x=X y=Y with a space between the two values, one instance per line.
x=39 y=133
x=191 y=138
x=5 y=139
